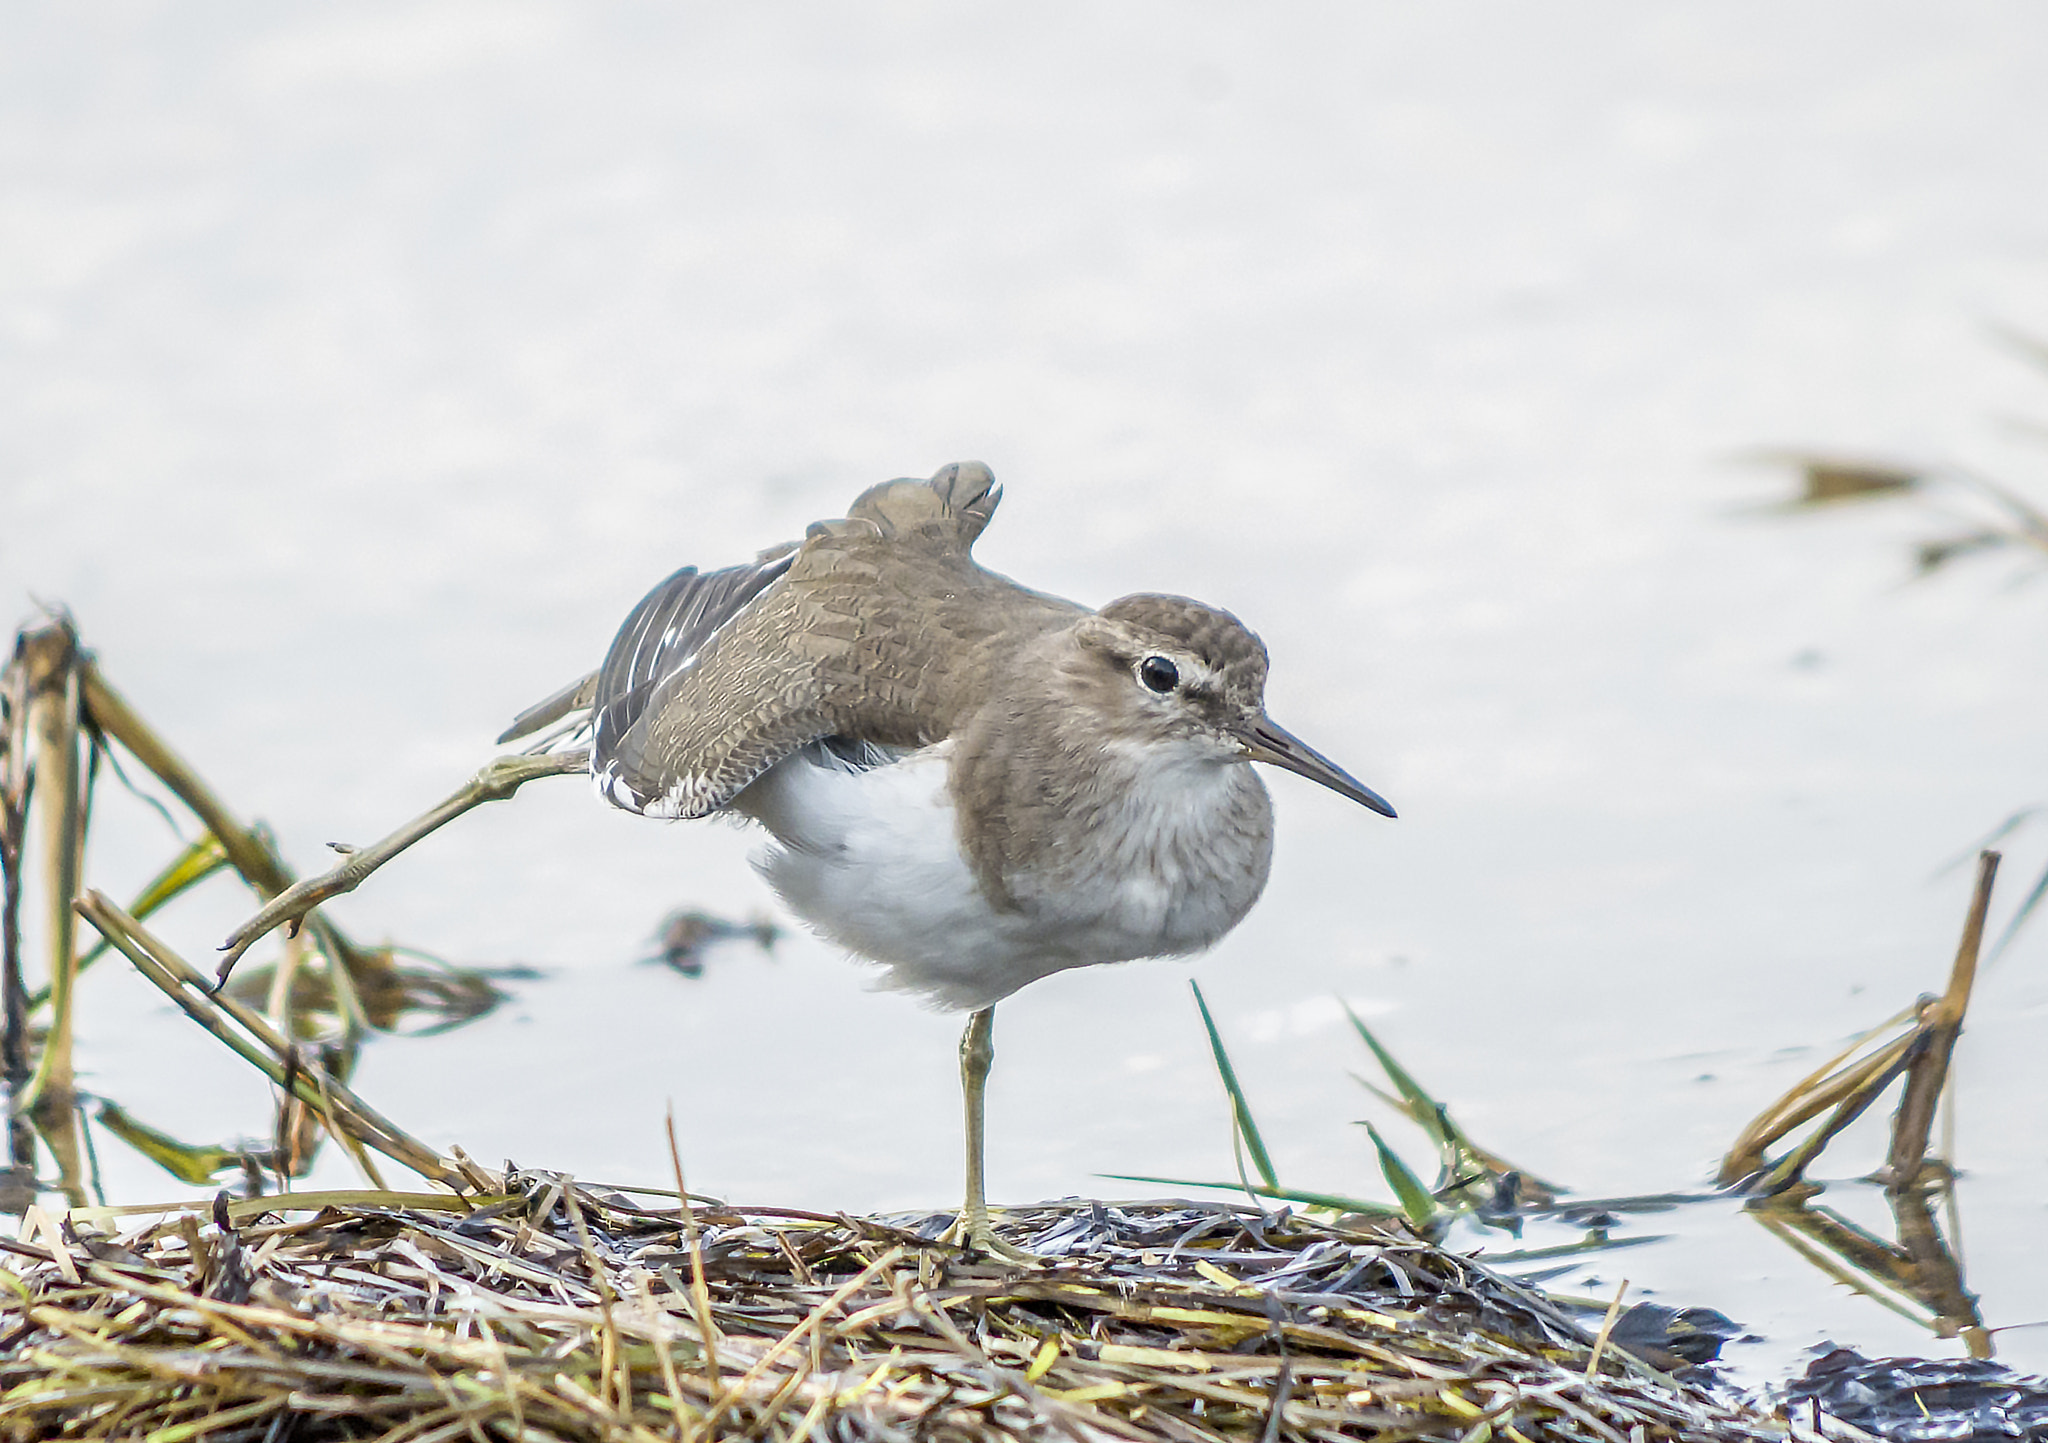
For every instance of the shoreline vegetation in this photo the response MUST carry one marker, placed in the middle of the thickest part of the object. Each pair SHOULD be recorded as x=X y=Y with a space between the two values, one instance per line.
x=526 y=1304
x=552 y=1309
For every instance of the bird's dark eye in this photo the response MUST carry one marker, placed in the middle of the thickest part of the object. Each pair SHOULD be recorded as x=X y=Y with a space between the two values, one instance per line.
x=1159 y=674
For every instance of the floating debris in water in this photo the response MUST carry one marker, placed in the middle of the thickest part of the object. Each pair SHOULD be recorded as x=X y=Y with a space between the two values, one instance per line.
x=1675 y=1338
x=684 y=938
x=1911 y=1399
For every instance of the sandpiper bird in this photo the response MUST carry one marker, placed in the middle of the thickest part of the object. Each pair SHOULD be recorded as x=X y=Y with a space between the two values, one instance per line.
x=966 y=781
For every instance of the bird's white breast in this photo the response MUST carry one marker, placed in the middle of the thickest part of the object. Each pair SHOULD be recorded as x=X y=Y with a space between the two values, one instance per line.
x=872 y=860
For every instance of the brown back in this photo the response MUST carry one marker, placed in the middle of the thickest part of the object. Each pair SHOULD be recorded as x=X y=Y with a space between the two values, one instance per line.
x=880 y=627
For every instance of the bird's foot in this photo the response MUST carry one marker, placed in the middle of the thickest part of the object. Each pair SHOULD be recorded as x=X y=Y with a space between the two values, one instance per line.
x=972 y=1231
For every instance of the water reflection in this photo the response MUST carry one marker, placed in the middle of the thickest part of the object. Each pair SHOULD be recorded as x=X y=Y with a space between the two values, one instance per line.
x=1917 y=1266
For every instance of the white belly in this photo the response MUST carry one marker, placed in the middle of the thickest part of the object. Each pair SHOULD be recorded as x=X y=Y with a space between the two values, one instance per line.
x=871 y=859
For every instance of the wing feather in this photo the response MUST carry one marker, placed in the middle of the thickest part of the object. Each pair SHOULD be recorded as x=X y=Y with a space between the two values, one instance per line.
x=572 y=698
x=671 y=632
x=878 y=629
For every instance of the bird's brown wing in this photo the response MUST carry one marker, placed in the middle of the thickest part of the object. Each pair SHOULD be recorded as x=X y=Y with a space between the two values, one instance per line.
x=665 y=647
x=877 y=628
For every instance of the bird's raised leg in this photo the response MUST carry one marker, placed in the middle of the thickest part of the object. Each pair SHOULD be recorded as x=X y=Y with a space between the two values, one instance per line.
x=977 y=1056
x=494 y=783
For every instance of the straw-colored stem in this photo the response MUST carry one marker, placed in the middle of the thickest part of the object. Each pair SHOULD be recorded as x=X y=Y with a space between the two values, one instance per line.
x=350 y=1143
x=250 y=853
x=1847 y=1092
x=497 y=781
x=796 y=1335
x=193 y=865
x=183 y=984
x=278 y=1005
x=614 y=1382
x=296 y=1122
x=1789 y=1170
x=54 y=710
x=664 y=1356
x=346 y=963
x=700 y=1295
x=1808 y=1098
x=1929 y=1073
x=63 y=1135
x=1606 y=1330
x=15 y=785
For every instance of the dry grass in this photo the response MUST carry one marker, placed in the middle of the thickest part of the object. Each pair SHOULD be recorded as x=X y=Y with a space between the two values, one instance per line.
x=555 y=1310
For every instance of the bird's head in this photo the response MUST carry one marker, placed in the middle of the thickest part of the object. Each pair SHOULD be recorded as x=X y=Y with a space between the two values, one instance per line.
x=1175 y=673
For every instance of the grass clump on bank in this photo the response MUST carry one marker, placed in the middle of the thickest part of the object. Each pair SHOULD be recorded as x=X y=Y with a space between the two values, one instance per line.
x=550 y=1309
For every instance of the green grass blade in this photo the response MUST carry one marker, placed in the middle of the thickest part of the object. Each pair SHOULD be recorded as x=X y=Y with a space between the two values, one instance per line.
x=1425 y=1110
x=186 y=870
x=1985 y=843
x=1416 y=1203
x=189 y=868
x=1335 y=1202
x=1573 y=1250
x=189 y=1163
x=2019 y=918
x=1466 y=1168
x=1241 y=1110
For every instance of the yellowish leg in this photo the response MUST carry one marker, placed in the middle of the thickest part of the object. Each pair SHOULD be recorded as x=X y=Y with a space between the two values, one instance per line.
x=977 y=1056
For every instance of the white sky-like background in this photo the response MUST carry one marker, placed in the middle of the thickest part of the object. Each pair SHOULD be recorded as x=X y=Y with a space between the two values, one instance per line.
x=360 y=367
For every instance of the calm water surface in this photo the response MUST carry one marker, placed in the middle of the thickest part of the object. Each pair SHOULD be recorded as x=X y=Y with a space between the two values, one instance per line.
x=361 y=369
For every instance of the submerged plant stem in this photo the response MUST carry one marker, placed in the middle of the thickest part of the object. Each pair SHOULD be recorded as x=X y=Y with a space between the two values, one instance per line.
x=1930 y=1072
x=178 y=980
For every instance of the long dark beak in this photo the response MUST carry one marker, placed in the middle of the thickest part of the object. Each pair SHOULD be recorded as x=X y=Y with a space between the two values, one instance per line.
x=1268 y=742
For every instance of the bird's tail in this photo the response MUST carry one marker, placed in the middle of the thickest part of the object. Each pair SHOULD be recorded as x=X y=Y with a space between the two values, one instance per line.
x=962 y=495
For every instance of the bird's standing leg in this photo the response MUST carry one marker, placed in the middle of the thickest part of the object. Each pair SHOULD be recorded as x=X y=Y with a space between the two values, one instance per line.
x=977 y=1056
